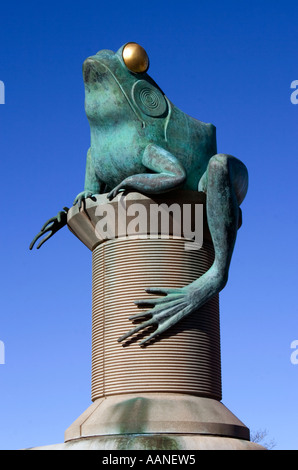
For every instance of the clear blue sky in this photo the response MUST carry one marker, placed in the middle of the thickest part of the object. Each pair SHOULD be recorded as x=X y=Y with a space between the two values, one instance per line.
x=226 y=62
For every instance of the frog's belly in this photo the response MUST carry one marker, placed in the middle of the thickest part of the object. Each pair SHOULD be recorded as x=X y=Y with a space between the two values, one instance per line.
x=113 y=162
x=116 y=152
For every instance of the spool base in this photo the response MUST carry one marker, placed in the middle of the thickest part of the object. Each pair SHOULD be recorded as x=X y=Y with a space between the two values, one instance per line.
x=156 y=421
x=164 y=422
x=156 y=413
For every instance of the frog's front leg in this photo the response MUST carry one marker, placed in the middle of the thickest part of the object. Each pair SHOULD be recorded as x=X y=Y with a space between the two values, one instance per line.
x=225 y=184
x=168 y=173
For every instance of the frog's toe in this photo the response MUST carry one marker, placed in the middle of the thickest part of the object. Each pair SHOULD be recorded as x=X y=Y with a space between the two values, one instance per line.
x=113 y=193
x=81 y=197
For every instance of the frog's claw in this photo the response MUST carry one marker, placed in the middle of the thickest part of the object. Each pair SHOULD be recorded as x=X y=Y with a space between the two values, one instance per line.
x=51 y=227
x=115 y=191
x=81 y=197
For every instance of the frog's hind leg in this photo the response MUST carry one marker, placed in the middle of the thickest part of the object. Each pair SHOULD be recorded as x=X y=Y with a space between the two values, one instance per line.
x=225 y=184
x=166 y=173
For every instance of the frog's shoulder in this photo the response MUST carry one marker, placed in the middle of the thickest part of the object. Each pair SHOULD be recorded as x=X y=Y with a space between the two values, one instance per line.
x=203 y=130
x=194 y=124
x=210 y=130
x=206 y=127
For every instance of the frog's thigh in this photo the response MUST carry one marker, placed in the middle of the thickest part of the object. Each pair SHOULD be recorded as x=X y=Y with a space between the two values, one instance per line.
x=222 y=165
x=161 y=161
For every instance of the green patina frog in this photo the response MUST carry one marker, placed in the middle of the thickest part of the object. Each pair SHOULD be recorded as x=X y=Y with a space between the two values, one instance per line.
x=140 y=141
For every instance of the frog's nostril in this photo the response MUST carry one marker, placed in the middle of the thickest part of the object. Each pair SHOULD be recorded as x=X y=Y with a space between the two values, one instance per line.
x=86 y=73
x=92 y=70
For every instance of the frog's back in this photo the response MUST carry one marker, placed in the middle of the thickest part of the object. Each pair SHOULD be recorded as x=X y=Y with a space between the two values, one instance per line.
x=193 y=142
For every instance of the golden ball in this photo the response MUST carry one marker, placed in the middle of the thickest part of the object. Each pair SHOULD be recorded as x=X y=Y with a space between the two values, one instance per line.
x=135 y=58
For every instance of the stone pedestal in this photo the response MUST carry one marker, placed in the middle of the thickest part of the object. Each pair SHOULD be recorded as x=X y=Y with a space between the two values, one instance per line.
x=166 y=395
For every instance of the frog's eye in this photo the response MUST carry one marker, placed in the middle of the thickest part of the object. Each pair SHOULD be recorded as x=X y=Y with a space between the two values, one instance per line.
x=135 y=58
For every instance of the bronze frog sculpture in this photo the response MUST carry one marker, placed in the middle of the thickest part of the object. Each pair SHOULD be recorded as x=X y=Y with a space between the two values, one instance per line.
x=141 y=141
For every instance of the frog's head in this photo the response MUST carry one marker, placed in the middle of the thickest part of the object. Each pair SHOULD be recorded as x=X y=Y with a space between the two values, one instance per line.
x=116 y=81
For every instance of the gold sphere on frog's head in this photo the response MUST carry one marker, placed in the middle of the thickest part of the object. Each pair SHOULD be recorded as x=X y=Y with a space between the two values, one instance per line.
x=135 y=57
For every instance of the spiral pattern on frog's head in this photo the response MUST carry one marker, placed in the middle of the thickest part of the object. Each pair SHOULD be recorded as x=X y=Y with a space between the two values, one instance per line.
x=149 y=99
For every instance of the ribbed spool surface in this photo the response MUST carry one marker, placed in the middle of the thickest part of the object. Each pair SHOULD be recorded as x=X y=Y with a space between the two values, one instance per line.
x=187 y=359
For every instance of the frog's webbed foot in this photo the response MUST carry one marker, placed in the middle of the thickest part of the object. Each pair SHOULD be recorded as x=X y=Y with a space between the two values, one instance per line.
x=165 y=312
x=51 y=227
x=81 y=198
x=174 y=304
